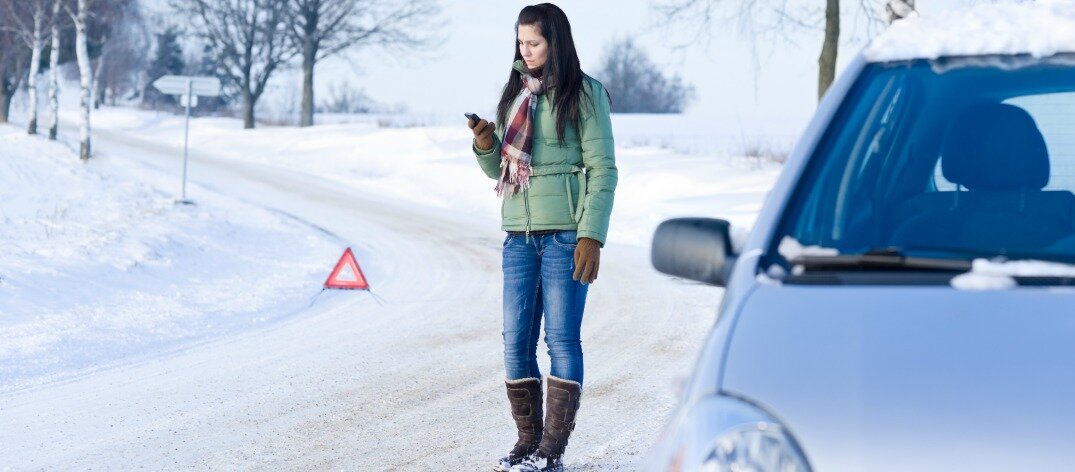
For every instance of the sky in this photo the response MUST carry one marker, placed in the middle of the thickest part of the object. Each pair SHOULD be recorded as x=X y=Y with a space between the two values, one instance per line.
x=466 y=70
x=767 y=96
x=750 y=89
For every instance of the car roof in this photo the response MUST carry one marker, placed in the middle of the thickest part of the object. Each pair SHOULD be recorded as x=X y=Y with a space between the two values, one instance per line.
x=1038 y=29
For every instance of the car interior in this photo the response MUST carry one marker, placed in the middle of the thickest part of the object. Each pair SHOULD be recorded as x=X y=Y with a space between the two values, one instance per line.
x=948 y=160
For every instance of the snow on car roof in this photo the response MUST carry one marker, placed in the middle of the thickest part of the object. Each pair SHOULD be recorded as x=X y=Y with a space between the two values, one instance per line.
x=1041 y=29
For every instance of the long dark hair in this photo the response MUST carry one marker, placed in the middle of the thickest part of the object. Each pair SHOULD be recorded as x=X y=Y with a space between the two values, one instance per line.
x=561 y=70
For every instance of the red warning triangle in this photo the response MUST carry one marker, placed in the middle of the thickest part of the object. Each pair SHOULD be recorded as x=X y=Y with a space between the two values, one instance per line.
x=347 y=274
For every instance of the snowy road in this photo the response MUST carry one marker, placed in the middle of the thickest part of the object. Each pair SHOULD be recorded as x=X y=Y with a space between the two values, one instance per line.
x=410 y=384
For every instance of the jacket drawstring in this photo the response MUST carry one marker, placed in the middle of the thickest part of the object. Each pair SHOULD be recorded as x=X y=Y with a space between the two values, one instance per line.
x=576 y=210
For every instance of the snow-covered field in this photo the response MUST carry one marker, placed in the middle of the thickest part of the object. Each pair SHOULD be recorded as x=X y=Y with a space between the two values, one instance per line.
x=99 y=267
x=142 y=333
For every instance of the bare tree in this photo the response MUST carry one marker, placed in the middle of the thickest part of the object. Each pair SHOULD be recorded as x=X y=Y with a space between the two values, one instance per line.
x=637 y=85
x=345 y=98
x=772 y=17
x=95 y=80
x=124 y=74
x=13 y=60
x=248 y=39
x=116 y=31
x=80 y=17
x=826 y=63
x=54 y=70
x=30 y=19
x=322 y=28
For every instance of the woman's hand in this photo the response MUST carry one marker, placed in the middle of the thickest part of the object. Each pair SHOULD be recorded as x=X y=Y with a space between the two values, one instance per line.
x=483 y=134
x=587 y=260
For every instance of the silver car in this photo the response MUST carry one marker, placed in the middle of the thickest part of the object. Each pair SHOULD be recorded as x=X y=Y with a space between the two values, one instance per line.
x=905 y=300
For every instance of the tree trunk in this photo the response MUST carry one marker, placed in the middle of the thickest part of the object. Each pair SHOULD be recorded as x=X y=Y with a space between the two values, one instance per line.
x=309 y=55
x=95 y=88
x=54 y=73
x=35 y=61
x=827 y=61
x=248 y=108
x=85 y=77
x=5 y=103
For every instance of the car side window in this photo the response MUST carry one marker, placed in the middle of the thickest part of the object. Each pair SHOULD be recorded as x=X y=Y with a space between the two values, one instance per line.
x=1052 y=113
x=940 y=183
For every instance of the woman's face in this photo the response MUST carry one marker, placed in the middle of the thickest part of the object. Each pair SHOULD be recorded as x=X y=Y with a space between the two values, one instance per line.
x=533 y=46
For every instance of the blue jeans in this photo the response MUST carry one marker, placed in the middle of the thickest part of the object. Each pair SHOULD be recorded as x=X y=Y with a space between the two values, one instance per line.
x=537 y=279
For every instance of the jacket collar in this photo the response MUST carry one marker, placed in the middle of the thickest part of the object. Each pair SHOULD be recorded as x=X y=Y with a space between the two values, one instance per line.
x=520 y=66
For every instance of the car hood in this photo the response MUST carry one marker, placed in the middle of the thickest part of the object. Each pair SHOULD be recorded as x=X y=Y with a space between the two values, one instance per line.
x=919 y=378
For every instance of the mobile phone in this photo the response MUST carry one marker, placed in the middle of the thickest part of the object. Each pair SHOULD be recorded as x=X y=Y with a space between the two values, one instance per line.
x=472 y=117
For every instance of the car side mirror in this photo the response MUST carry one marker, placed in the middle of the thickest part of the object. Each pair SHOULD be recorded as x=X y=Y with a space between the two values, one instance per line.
x=694 y=248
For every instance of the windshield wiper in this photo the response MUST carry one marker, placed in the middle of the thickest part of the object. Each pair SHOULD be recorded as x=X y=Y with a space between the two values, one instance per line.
x=890 y=258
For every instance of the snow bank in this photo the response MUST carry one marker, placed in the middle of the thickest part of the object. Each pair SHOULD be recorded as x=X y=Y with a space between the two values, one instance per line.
x=98 y=267
x=1041 y=29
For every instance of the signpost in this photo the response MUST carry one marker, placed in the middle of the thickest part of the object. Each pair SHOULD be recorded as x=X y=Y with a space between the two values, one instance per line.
x=188 y=88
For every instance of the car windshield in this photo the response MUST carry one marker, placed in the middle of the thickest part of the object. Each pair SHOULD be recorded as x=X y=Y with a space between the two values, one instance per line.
x=951 y=158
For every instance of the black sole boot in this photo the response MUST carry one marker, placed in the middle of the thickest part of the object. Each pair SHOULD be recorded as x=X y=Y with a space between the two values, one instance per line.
x=525 y=398
x=562 y=406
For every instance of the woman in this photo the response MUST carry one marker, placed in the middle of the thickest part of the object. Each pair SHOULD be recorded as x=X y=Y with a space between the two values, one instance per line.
x=552 y=124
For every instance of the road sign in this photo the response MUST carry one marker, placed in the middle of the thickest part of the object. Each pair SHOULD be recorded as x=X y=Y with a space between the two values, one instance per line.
x=182 y=84
x=193 y=101
x=347 y=274
x=188 y=88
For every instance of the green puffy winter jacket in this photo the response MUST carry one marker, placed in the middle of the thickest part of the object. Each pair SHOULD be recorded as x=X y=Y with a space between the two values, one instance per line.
x=554 y=200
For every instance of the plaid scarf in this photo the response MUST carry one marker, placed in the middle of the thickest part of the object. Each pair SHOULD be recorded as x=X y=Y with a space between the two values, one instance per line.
x=518 y=139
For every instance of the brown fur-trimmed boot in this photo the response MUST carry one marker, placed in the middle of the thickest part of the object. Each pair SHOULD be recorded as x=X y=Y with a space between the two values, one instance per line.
x=525 y=398
x=563 y=404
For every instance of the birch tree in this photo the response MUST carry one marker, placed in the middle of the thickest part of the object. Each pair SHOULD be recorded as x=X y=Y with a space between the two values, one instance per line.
x=80 y=17
x=54 y=71
x=30 y=19
x=322 y=28
x=248 y=39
